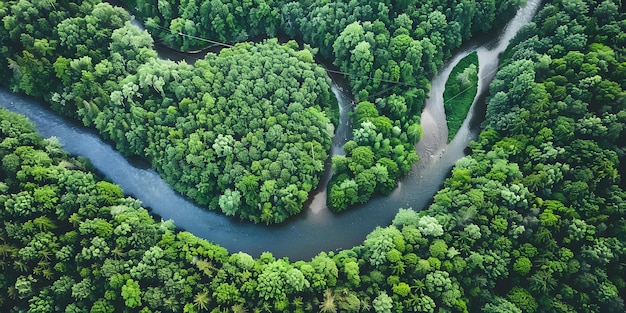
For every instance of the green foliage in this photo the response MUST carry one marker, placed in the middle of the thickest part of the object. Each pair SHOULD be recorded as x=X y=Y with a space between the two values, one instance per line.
x=500 y=305
x=522 y=266
x=460 y=91
x=216 y=131
x=383 y=303
x=131 y=293
x=532 y=221
x=389 y=50
x=253 y=109
x=522 y=299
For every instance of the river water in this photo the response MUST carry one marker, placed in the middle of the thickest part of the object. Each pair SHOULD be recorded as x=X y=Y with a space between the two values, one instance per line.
x=315 y=229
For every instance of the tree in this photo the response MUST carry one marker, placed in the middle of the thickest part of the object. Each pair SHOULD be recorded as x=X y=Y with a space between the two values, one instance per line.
x=383 y=303
x=44 y=223
x=131 y=293
x=500 y=305
x=402 y=289
x=223 y=294
x=102 y=306
x=83 y=289
x=542 y=282
x=328 y=305
x=128 y=41
x=364 y=111
x=429 y=226
x=42 y=302
x=366 y=182
x=522 y=299
x=201 y=300
x=230 y=201
x=522 y=266
x=346 y=42
x=379 y=242
x=438 y=248
x=108 y=193
x=362 y=157
x=24 y=286
x=271 y=282
x=361 y=63
x=295 y=280
x=343 y=195
x=322 y=272
x=423 y=303
x=352 y=270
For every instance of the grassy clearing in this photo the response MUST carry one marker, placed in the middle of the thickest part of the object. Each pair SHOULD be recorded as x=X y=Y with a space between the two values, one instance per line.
x=460 y=91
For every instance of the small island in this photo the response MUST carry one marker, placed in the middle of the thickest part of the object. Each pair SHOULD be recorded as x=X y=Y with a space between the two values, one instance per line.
x=461 y=89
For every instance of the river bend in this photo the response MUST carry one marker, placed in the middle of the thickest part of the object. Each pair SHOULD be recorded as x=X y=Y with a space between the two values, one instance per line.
x=315 y=229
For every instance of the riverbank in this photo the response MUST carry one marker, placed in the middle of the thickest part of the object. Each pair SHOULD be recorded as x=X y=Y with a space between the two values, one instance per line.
x=304 y=235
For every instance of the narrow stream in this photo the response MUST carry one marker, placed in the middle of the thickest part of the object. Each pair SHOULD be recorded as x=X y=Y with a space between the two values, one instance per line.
x=315 y=229
x=317 y=198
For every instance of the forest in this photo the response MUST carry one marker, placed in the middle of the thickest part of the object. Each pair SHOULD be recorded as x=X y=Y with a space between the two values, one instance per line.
x=533 y=220
x=246 y=131
x=389 y=49
x=91 y=65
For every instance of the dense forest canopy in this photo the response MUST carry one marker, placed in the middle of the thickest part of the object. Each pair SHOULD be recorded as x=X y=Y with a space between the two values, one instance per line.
x=246 y=131
x=532 y=221
x=389 y=50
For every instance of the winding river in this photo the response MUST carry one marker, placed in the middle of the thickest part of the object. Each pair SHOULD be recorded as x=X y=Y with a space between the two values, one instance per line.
x=315 y=229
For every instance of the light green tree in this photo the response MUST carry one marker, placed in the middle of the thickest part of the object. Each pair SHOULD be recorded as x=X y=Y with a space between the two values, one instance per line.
x=131 y=293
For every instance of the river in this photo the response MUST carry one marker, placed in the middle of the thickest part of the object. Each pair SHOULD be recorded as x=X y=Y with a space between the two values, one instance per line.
x=315 y=229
